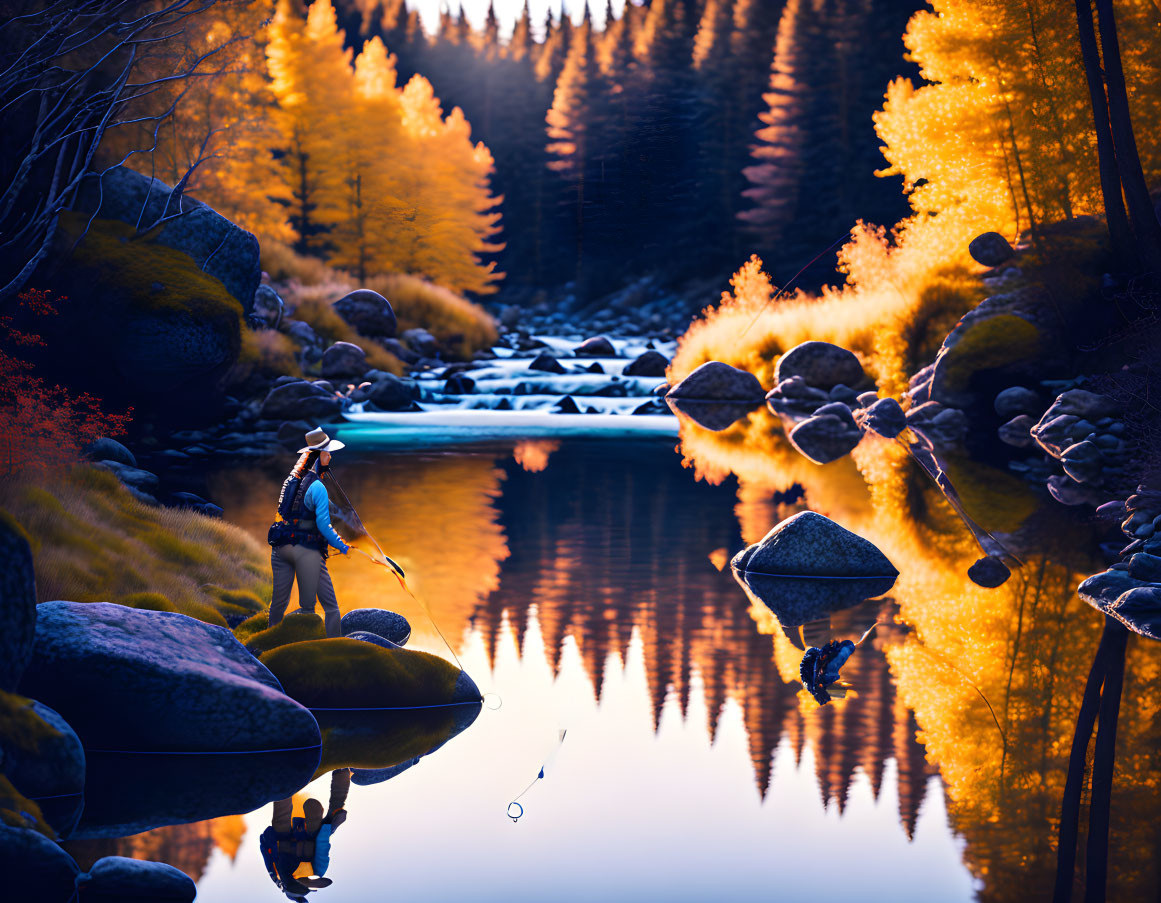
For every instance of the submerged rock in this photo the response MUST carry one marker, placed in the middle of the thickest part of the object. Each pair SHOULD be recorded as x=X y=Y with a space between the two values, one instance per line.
x=17 y=602
x=1139 y=609
x=811 y=545
x=1083 y=462
x=821 y=364
x=716 y=381
x=368 y=312
x=388 y=624
x=130 y=679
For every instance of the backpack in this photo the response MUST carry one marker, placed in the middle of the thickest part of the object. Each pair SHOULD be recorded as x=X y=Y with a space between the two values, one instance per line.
x=291 y=508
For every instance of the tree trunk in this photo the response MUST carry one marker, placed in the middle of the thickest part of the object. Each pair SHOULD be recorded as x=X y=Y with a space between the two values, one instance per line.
x=1120 y=236
x=1144 y=217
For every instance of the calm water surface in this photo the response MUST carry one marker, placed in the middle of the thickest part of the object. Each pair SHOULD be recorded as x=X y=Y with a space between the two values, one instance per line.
x=584 y=584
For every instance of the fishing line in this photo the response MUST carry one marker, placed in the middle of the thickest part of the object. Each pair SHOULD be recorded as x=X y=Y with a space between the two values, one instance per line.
x=784 y=288
x=391 y=566
x=943 y=661
x=547 y=762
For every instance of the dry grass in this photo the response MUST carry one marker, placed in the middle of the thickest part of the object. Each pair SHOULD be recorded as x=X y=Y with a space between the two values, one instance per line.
x=94 y=542
x=460 y=325
x=284 y=265
x=314 y=305
x=267 y=353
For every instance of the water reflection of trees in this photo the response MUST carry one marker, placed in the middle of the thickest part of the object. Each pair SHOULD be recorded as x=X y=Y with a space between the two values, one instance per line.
x=185 y=847
x=1024 y=650
x=611 y=544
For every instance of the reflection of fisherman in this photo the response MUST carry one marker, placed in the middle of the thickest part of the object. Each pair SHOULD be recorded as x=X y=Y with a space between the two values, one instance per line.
x=820 y=668
x=301 y=535
x=297 y=850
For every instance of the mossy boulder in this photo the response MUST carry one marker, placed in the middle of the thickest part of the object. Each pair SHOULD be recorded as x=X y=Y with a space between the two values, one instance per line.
x=376 y=707
x=34 y=867
x=140 y=310
x=17 y=601
x=218 y=247
x=42 y=756
x=296 y=627
x=158 y=681
x=1001 y=339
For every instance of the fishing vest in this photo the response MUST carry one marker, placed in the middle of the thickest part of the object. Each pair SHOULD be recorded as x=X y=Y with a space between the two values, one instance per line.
x=292 y=525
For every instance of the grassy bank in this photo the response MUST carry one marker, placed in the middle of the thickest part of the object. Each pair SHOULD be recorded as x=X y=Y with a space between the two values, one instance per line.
x=92 y=541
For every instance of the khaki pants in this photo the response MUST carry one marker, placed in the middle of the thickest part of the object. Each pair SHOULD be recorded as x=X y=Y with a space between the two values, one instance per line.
x=291 y=562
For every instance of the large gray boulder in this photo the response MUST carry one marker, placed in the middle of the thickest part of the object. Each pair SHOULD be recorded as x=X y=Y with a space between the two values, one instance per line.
x=300 y=400
x=218 y=246
x=811 y=545
x=387 y=624
x=368 y=312
x=135 y=680
x=17 y=602
x=821 y=364
x=828 y=434
x=716 y=381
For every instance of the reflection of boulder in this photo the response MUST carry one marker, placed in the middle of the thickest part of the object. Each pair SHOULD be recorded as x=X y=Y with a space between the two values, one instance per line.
x=713 y=415
x=366 y=776
x=35 y=868
x=811 y=545
x=42 y=757
x=828 y=434
x=128 y=794
x=129 y=679
x=797 y=600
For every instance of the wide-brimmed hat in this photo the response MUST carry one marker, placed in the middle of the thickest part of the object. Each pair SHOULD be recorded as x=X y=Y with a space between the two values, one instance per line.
x=317 y=440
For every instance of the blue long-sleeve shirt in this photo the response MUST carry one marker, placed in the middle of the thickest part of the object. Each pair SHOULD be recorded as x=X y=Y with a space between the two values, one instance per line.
x=319 y=502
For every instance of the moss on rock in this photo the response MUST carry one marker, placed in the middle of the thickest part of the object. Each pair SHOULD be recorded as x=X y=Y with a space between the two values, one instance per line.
x=296 y=627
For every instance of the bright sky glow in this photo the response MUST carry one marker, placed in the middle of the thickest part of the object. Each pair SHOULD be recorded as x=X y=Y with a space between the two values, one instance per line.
x=508 y=10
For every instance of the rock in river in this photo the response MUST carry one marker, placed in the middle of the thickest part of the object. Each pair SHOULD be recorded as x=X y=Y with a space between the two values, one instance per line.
x=136 y=680
x=597 y=346
x=886 y=418
x=821 y=364
x=546 y=363
x=990 y=249
x=42 y=756
x=715 y=381
x=651 y=363
x=811 y=545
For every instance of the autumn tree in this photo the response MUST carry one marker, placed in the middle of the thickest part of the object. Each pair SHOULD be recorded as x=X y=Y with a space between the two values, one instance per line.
x=1002 y=133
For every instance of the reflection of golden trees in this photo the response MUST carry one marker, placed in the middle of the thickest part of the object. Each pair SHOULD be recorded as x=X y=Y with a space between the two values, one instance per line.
x=434 y=516
x=185 y=847
x=1024 y=650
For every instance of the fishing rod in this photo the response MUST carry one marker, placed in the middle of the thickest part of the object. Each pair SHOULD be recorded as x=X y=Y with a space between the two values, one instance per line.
x=389 y=564
x=519 y=809
x=786 y=287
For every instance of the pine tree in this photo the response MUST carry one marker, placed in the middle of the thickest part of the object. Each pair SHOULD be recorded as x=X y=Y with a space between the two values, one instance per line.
x=312 y=82
x=522 y=44
x=363 y=238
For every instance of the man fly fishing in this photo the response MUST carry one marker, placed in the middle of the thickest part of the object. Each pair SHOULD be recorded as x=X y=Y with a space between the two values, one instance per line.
x=302 y=535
